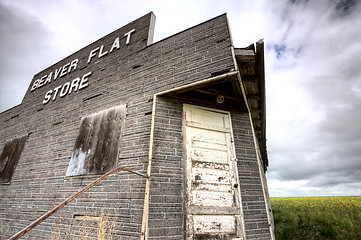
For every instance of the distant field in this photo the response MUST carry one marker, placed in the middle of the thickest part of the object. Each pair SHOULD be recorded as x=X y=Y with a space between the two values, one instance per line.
x=317 y=217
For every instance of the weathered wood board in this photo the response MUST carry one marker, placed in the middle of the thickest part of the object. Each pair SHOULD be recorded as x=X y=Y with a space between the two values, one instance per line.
x=97 y=145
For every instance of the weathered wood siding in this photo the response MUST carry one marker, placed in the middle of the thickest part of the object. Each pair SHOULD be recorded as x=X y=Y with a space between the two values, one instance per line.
x=9 y=158
x=98 y=143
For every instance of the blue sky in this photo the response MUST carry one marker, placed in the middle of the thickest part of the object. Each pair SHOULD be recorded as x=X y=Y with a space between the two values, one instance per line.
x=313 y=73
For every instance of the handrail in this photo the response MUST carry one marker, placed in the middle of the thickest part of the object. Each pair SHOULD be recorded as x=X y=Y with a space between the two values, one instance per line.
x=52 y=211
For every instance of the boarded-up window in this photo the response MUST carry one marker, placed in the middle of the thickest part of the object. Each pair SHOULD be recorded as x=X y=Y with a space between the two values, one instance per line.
x=98 y=142
x=9 y=158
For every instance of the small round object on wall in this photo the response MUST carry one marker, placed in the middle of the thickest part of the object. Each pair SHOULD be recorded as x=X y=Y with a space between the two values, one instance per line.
x=220 y=99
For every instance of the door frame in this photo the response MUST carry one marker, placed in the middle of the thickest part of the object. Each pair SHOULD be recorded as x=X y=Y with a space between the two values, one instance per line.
x=240 y=226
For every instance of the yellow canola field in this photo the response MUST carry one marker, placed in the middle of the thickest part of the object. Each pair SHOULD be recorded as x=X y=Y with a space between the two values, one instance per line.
x=334 y=202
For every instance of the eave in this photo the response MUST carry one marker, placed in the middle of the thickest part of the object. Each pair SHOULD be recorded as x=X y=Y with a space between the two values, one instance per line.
x=250 y=69
x=250 y=61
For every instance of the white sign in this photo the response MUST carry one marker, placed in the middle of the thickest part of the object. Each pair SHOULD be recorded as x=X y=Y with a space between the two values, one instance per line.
x=78 y=83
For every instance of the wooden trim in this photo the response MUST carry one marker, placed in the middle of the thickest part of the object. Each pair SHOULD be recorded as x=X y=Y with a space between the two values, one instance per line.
x=144 y=232
x=198 y=84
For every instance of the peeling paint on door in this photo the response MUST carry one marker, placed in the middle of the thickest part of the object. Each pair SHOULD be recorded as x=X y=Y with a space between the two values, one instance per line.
x=205 y=224
x=213 y=202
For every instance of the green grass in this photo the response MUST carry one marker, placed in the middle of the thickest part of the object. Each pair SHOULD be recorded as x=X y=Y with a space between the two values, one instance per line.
x=317 y=217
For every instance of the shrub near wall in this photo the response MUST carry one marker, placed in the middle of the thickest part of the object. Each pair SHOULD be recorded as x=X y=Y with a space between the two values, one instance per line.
x=317 y=217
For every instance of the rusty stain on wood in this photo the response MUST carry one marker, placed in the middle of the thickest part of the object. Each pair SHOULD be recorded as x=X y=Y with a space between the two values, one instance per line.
x=9 y=158
x=97 y=145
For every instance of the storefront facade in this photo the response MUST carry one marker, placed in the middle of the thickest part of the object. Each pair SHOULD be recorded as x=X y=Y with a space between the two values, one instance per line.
x=187 y=112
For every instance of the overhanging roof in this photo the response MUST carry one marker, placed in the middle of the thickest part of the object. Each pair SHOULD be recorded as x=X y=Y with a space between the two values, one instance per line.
x=206 y=91
x=250 y=64
x=250 y=61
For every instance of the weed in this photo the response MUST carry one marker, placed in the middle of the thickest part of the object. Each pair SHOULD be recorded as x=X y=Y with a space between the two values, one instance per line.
x=3 y=230
x=317 y=218
x=85 y=227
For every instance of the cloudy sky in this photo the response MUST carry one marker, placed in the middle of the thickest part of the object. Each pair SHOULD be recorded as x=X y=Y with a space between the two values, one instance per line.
x=313 y=70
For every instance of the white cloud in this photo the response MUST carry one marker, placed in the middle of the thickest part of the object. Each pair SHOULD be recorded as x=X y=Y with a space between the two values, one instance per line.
x=26 y=47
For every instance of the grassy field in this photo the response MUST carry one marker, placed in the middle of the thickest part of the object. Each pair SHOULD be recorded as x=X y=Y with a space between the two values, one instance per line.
x=317 y=217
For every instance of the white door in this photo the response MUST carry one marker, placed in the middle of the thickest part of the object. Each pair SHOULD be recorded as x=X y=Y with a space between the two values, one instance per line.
x=213 y=208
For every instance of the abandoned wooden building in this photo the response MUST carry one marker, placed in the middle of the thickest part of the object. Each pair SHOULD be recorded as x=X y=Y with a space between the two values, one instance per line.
x=180 y=123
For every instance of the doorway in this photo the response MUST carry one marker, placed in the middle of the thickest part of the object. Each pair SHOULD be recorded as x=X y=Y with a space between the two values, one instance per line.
x=213 y=209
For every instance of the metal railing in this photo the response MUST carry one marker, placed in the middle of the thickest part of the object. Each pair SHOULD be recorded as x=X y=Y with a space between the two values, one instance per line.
x=52 y=211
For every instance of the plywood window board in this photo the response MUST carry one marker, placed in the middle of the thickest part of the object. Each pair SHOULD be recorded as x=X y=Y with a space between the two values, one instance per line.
x=97 y=145
x=9 y=158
